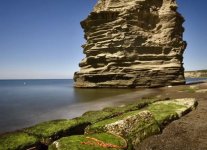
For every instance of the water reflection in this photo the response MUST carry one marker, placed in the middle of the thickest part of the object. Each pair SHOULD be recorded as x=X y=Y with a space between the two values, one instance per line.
x=88 y=95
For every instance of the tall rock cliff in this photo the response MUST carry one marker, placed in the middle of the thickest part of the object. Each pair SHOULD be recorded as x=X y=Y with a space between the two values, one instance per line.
x=132 y=43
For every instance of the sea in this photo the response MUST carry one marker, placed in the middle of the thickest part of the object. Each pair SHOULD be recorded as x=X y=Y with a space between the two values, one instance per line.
x=24 y=103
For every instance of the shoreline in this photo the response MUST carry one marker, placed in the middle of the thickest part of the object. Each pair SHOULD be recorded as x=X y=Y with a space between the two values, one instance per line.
x=193 y=90
x=75 y=110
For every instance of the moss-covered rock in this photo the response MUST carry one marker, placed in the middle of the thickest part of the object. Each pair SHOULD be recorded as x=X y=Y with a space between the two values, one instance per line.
x=167 y=111
x=18 y=141
x=102 y=141
x=133 y=122
x=110 y=112
x=164 y=113
x=133 y=126
x=95 y=116
x=130 y=107
x=53 y=130
x=136 y=125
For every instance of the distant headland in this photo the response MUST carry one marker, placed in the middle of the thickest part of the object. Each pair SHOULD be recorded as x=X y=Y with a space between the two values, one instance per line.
x=196 y=74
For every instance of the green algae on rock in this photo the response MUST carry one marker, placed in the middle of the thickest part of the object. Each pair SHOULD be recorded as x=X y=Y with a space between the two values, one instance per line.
x=110 y=112
x=133 y=126
x=131 y=107
x=102 y=141
x=53 y=130
x=132 y=122
x=17 y=141
x=95 y=116
x=166 y=111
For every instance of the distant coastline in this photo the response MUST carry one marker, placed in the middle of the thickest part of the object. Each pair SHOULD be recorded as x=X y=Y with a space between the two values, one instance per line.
x=196 y=74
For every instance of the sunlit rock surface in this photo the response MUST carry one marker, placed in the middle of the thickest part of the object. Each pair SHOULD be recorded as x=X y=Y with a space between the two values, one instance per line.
x=132 y=43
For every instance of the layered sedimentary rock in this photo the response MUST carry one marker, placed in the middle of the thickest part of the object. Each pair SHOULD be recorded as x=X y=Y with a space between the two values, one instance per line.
x=132 y=43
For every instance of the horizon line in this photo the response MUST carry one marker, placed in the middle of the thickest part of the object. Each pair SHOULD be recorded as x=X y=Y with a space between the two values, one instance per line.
x=38 y=79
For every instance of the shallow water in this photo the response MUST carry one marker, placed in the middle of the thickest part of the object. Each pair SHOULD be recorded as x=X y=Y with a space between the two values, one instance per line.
x=27 y=102
x=195 y=80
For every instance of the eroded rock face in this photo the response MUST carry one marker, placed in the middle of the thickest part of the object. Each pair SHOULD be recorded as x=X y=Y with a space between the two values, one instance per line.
x=132 y=43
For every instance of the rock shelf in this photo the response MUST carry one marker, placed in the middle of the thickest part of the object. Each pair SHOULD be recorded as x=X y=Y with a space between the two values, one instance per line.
x=117 y=128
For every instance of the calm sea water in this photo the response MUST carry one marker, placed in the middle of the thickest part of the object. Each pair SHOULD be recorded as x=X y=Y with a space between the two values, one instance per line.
x=26 y=102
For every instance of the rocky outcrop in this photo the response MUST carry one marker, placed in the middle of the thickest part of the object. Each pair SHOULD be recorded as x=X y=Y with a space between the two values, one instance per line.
x=132 y=43
x=103 y=141
x=135 y=126
x=120 y=128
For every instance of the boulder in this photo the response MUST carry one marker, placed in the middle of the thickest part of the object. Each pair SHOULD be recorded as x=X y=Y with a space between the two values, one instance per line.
x=133 y=126
x=50 y=131
x=102 y=141
x=18 y=141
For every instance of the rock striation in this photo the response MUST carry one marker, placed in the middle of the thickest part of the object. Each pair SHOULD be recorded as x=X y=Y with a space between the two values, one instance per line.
x=132 y=43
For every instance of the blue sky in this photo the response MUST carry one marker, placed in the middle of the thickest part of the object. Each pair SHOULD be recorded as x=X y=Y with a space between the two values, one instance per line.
x=43 y=38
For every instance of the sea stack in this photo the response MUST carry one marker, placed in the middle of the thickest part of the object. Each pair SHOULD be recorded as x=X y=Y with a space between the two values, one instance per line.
x=131 y=44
